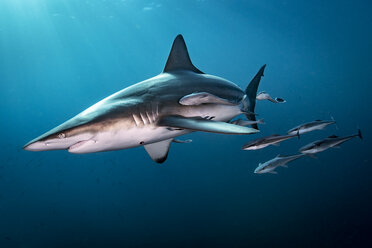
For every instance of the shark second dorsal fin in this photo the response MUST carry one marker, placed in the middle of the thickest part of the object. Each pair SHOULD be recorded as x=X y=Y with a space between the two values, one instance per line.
x=179 y=58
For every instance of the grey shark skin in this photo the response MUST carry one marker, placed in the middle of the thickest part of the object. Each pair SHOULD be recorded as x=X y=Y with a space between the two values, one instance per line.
x=263 y=142
x=151 y=113
x=265 y=96
x=322 y=145
x=311 y=126
x=271 y=165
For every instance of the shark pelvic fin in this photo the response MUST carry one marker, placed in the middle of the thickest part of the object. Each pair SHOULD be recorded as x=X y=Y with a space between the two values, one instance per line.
x=158 y=151
x=204 y=125
x=198 y=98
x=179 y=58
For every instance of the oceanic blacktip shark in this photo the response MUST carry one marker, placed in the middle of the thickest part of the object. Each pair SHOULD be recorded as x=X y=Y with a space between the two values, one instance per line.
x=271 y=165
x=332 y=141
x=265 y=96
x=310 y=126
x=263 y=142
x=180 y=100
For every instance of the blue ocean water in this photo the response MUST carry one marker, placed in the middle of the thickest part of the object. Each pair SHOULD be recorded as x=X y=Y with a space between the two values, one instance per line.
x=59 y=57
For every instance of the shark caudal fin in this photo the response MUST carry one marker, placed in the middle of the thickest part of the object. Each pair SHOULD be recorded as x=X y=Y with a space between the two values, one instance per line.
x=249 y=101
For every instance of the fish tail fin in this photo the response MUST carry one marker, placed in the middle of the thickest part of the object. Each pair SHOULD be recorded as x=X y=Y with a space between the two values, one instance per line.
x=298 y=133
x=279 y=100
x=333 y=119
x=249 y=100
x=360 y=134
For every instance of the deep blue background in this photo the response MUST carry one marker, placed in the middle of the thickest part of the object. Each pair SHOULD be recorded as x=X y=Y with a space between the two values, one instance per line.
x=59 y=57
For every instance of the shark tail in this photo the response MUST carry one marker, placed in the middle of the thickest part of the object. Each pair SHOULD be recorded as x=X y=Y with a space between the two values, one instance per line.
x=249 y=101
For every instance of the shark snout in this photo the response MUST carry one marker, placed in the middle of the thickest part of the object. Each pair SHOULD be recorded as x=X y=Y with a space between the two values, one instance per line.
x=35 y=146
x=59 y=142
x=46 y=145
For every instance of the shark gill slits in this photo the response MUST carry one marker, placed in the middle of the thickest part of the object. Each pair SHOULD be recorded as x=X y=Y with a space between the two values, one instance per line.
x=149 y=118
x=136 y=120
x=209 y=117
x=144 y=120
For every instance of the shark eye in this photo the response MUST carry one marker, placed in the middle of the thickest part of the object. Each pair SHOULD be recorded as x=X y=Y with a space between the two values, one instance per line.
x=61 y=135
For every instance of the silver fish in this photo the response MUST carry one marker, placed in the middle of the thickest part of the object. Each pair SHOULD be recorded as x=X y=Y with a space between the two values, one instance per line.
x=271 y=165
x=265 y=96
x=263 y=142
x=310 y=126
x=332 y=141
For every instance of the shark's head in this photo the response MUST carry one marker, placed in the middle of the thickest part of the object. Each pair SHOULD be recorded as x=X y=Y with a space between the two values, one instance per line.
x=70 y=135
x=77 y=135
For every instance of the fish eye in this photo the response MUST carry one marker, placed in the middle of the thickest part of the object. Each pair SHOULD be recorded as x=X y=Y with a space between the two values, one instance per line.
x=61 y=135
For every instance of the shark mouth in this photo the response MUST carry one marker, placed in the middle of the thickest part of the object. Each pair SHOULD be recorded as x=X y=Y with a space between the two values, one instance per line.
x=79 y=146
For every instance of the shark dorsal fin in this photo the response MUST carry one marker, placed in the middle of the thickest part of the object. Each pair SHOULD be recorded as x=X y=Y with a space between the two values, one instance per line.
x=179 y=58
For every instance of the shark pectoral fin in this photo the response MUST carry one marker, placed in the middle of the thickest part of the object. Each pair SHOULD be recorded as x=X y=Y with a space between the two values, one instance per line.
x=204 y=125
x=202 y=97
x=158 y=151
x=284 y=165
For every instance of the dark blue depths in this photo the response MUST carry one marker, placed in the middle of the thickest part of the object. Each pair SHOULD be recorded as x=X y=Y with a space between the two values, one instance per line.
x=59 y=57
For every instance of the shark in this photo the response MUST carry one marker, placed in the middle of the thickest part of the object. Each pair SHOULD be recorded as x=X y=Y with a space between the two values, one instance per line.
x=152 y=113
